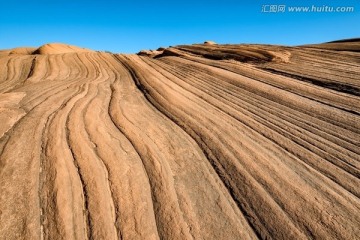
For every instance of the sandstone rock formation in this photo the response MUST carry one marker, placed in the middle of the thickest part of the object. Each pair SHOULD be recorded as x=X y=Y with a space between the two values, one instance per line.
x=210 y=43
x=196 y=142
x=150 y=53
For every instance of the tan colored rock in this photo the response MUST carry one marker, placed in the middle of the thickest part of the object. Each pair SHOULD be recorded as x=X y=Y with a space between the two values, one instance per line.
x=150 y=53
x=210 y=43
x=190 y=142
x=59 y=48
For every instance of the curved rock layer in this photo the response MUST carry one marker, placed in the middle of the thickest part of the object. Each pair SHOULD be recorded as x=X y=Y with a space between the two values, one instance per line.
x=195 y=142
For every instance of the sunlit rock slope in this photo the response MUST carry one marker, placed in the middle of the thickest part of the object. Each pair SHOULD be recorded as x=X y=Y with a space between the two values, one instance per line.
x=201 y=141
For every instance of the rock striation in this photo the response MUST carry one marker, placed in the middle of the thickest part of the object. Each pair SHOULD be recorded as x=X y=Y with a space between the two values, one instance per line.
x=203 y=141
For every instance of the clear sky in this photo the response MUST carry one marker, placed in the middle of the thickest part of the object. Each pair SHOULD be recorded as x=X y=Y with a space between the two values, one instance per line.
x=129 y=26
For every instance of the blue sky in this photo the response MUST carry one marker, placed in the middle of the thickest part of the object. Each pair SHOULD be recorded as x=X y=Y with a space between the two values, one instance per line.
x=129 y=26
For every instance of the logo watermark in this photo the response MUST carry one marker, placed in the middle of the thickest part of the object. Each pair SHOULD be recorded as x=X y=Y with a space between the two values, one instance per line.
x=306 y=9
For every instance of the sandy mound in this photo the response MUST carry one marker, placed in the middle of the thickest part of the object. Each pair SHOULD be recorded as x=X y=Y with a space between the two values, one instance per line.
x=59 y=48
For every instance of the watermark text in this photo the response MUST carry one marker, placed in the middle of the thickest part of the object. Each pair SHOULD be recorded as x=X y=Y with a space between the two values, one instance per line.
x=306 y=9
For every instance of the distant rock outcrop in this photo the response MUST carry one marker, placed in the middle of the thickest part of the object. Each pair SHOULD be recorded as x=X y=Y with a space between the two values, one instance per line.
x=59 y=48
x=210 y=43
x=17 y=51
x=150 y=53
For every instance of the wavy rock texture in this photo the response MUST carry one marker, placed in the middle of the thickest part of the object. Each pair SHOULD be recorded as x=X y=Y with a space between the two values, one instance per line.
x=189 y=142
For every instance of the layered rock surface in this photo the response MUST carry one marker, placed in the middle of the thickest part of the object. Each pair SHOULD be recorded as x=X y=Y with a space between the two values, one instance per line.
x=200 y=141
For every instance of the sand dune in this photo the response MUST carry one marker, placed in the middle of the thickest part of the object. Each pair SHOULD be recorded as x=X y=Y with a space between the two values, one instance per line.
x=203 y=141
